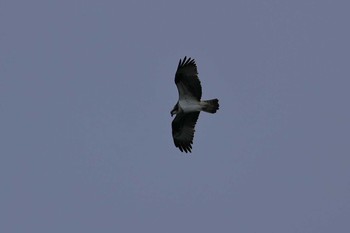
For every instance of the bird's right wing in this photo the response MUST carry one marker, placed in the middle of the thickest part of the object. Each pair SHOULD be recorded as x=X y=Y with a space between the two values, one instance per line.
x=183 y=128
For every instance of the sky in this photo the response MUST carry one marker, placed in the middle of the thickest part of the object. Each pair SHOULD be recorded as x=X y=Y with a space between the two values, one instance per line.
x=86 y=89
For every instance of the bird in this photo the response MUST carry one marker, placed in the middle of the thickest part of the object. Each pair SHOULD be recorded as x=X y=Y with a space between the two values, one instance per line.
x=189 y=104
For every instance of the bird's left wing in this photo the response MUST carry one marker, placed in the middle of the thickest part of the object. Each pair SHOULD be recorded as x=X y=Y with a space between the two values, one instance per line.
x=186 y=79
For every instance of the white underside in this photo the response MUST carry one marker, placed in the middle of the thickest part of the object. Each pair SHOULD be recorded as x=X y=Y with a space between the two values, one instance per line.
x=190 y=105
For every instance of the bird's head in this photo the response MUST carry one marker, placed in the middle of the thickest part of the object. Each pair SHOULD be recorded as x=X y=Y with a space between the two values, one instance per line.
x=175 y=109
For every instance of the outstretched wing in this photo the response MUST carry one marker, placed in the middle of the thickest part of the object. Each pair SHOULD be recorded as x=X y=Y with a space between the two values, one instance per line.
x=183 y=130
x=186 y=79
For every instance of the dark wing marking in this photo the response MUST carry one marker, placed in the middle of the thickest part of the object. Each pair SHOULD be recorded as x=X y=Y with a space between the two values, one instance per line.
x=186 y=79
x=183 y=130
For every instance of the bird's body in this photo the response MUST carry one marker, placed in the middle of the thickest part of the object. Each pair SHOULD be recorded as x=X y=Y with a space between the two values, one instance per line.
x=189 y=105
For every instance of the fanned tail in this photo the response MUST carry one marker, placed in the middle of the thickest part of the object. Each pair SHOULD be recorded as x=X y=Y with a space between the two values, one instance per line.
x=210 y=106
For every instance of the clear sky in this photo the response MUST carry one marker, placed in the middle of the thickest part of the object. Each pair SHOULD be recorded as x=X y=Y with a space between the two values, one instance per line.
x=86 y=89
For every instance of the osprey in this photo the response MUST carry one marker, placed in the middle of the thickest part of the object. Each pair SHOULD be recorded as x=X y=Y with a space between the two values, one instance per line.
x=189 y=105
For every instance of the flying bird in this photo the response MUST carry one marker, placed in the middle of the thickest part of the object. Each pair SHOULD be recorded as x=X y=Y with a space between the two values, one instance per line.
x=189 y=105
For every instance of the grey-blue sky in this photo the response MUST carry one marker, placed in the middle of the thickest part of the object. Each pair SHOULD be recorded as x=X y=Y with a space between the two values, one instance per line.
x=86 y=89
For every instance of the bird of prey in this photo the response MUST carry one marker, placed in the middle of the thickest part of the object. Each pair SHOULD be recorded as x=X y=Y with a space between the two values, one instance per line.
x=189 y=105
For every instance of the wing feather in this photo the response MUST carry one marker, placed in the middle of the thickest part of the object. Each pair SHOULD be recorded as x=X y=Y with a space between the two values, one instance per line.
x=183 y=128
x=186 y=79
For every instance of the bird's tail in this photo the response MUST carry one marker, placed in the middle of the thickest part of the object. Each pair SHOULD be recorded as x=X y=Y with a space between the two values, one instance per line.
x=210 y=106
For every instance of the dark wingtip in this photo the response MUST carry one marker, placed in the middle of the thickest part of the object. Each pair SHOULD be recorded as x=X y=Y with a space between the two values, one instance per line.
x=180 y=62
x=186 y=61
x=186 y=149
